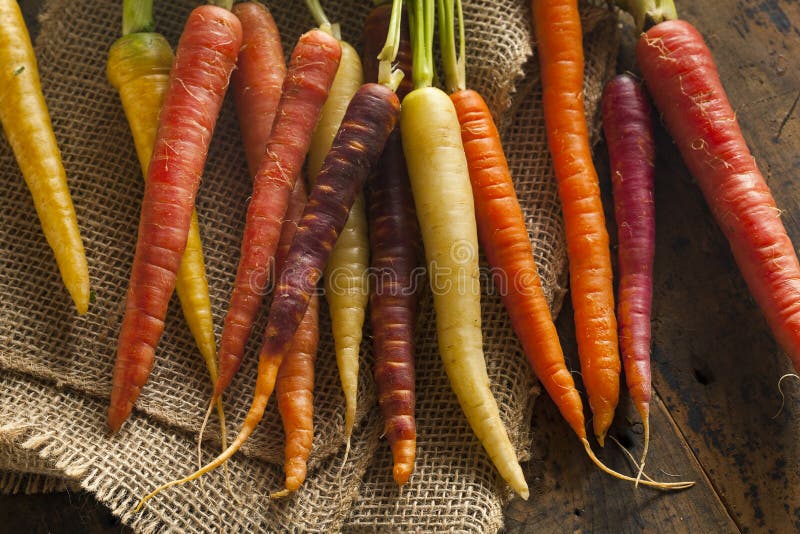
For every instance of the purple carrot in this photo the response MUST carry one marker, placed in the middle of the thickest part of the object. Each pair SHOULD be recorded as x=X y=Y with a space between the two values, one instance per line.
x=396 y=251
x=628 y=128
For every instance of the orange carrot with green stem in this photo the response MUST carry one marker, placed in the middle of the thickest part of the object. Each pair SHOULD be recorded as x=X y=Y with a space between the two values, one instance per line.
x=312 y=68
x=557 y=29
x=504 y=238
x=396 y=254
x=204 y=60
x=26 y=123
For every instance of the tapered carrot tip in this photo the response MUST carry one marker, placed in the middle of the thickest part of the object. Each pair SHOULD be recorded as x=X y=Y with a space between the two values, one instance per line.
x=81 y=296
x=117 y=415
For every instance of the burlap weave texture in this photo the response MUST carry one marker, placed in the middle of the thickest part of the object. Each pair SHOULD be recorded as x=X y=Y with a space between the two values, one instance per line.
x=56 y=367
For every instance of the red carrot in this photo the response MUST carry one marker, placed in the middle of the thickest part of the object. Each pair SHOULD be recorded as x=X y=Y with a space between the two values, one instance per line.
x=294 y=389
x=258 y=78
x=311 y=71
x=680 y=74
x=628 y=129
x=396 y=253
x=204 y=60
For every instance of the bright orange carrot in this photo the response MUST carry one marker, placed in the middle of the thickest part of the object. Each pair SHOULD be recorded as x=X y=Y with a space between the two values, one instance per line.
x=560 y=47
x=294 y=389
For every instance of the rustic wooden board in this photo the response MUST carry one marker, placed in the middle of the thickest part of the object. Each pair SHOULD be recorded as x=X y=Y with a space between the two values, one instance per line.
x=716 y=366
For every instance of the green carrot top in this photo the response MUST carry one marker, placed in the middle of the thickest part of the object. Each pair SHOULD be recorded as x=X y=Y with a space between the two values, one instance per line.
x=648 y=13
x=455 y=75
x=227 y=4
x=421 y=17
x=137 y=16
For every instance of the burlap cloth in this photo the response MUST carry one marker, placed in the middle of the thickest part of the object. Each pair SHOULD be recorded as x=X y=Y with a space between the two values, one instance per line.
x=57 y=367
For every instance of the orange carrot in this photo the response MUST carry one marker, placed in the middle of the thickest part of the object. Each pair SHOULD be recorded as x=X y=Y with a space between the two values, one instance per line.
x=203 y=64
x=294 y=389
x=557 y=28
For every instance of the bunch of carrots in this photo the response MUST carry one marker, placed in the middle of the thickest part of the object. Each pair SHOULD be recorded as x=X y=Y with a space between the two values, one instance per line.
x=399 y=170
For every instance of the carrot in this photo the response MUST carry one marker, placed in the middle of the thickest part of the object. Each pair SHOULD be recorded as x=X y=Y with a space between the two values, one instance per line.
x=26 y=122
x=312 y=68
x=681 y=76
x=199 y=76
x=258 y=78
x=396 y=253
x=557 y=29
x=503 y=234
x=629 y=135
x=138 y=68
x=294 y=389
x=346 y=281
x=440 y=184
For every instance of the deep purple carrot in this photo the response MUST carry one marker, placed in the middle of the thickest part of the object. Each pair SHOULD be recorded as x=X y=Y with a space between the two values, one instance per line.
x=628 y=129
x=368 y=121
x=395 y=247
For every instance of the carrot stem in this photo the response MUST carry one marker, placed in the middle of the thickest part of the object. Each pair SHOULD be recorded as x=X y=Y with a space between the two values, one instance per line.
x=137 y=16
x=317 y=12
x=386 y=75
x=454 y=63
x=648 y=13
x=226 y=4
x=421 y=17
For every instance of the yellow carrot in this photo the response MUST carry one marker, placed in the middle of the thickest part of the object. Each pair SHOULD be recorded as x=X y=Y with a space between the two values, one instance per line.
x=437 y=168
x=346 y=283
x=26 y=123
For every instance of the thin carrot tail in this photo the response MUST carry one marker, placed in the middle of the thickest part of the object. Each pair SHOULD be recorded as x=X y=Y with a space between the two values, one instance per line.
x=666 y=486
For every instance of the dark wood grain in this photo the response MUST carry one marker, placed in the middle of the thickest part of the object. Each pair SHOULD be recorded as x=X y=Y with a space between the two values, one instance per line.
x=716 y=366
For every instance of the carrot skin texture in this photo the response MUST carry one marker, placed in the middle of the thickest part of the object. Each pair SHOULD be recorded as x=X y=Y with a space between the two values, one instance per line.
x=294 y=388
x=138 y=68
x=27 y=126
x=681 y=76
x=369 y=120
x=396 y=254
x=557 y=29
x=628 y=128
x=204 y=60
x=312 y=68
x=258 y=78
x=505 y=241
x=440 y=184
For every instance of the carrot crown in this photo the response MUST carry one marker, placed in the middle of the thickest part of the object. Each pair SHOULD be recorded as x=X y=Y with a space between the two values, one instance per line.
x=137 y=16
x=322 y=20
x=455 y=75
x=227 y=4
x=386 y=75
x=648 y=13
x=421 y=16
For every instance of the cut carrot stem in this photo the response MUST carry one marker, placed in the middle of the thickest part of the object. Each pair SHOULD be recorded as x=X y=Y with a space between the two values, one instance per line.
x=199 y=76
x=26 y=123
x=559 y=40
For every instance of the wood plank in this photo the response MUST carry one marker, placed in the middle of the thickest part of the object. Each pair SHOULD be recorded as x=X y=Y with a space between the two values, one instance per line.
x=569 y=494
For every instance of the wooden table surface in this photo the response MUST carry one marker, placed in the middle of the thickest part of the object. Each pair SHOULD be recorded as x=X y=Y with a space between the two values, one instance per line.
x=715 y=365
